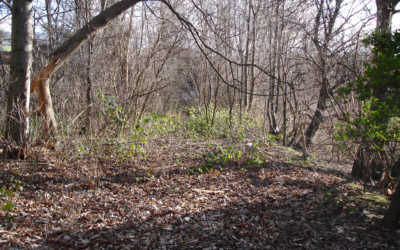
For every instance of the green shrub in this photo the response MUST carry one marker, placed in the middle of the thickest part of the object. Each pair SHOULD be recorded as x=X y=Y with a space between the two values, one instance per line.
x=161 y=124
x=202 y=124
x=378 y=89
x=7 y=192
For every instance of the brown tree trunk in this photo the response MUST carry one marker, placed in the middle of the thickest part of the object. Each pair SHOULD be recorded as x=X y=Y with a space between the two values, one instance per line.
x=392 y=216
x=83 y=12
x=253 y=55
x=17 y=124
x=88 y=124
x=385 y=10
x=317 y=118
x=369 y=165
x=40 y=82
x=273 y=57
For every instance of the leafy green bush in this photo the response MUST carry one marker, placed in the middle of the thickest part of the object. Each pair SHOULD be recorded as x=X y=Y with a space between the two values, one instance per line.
x=7 y=192
x=129 y=142
x=220 y=157
x=122 y=148
x=379 y=90
x=215 y=160
x=113 y=113
x=161 y=124
x=202 y=124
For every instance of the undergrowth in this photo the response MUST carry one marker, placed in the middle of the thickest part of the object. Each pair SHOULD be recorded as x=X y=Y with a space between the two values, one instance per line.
x=8 y=188
x=216 y=159
x=128 y=140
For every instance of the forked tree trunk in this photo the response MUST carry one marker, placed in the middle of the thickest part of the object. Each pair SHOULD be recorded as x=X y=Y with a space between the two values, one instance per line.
x=17 y=124
x=41 y=80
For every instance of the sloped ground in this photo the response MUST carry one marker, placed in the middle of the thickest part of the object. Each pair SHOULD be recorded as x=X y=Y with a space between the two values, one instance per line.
x=166 y=202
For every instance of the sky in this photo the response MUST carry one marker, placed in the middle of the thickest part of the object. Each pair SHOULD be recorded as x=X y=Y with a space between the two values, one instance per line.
x=396 y=21
x=6 y=24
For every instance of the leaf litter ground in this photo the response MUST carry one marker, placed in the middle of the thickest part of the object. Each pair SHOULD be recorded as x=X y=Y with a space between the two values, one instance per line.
x=160 y=203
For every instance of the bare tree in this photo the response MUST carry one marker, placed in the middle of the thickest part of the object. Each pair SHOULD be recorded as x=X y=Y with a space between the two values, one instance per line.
x=83 y=16
x=326 y=18
x=17 y=125
x=60 y=56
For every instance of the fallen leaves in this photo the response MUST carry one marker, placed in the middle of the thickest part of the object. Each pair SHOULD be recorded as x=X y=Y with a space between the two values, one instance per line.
x=96 y=204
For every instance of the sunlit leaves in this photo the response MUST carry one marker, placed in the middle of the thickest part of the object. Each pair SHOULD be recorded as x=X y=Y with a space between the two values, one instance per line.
x=379 y=90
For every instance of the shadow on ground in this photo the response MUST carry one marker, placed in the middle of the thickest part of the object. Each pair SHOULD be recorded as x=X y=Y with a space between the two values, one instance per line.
x=283 y=206
x=309 y=221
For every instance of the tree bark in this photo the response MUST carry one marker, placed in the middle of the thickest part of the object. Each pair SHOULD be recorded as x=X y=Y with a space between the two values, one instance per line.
x=253 y=55
x=40 y=82
x=317 y=118
x=273 y=58
x=392 y=215
x=384 y=15
x=17 y=124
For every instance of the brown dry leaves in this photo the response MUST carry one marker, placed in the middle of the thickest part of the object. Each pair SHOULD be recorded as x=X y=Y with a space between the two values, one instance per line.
x=156 y=204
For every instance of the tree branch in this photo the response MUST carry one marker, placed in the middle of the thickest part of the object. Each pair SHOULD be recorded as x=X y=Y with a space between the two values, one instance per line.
x=6 y=3
x=61 y=54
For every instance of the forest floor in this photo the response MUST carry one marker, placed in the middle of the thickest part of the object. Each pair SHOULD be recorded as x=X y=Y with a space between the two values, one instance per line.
x=188 y=194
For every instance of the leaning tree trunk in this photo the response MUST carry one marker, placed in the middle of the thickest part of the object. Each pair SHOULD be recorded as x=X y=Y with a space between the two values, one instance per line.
x=325 y=19
x=40 y=82
x=364 y=165
x=317 y=118
x=17 y=124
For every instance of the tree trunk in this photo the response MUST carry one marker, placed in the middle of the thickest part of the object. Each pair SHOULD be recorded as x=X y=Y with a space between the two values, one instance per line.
x=384 y=14
x=368 y=165
x=83 y=12
x=253 y=55
x=59 y=57
x=392 y=215
x=17 y=124
x=317 y=118
x=273 y=56
x=88 y=124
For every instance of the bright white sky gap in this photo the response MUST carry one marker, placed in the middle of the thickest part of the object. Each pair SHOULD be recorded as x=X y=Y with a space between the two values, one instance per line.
x=6 y=24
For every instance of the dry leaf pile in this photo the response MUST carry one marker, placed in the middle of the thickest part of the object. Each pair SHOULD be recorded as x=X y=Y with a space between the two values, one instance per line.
x=157 y=204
